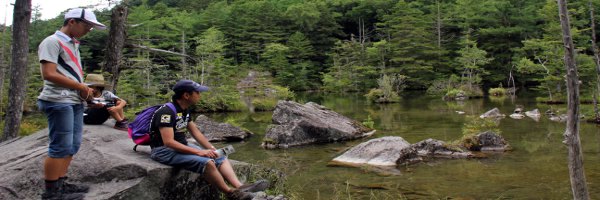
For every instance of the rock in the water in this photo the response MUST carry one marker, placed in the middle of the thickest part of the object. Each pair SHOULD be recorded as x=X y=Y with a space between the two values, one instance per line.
x=517 y=116
x=493 y=113
x=490 y=141
x=107 y=163
x=215 y=131
x=384 y=151
x=437 y=148
x=296 y=124
x=534 y=114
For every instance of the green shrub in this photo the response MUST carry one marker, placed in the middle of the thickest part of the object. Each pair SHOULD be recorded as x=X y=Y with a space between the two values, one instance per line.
x=374 y=94
x=282 y=93
x=220 y=100
x=264 y=104
x=497 y=91
x=369 y=122
x=453 y=93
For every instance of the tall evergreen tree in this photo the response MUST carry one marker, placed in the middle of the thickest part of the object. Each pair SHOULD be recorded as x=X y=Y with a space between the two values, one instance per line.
x=412 y=44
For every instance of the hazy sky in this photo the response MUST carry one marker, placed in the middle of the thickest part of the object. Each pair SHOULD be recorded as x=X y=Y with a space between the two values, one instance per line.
x=51 y=8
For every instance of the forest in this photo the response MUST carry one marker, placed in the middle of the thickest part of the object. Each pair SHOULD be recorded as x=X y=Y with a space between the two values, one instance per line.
x=376 y=47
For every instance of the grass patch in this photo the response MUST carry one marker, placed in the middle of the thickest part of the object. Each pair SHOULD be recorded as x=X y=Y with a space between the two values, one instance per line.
x=30 y=124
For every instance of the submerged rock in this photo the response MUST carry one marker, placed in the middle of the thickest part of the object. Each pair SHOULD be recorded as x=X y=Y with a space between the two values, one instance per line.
x=107 y=163
x=384 y=151
x=215 y=131
x=534 y=114
x=295 y=124
x=493 y=113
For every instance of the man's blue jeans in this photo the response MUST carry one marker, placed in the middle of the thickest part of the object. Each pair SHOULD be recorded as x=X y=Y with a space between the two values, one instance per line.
x=65 y=124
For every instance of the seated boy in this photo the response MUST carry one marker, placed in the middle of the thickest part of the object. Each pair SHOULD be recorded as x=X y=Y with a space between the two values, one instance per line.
x=105 y=104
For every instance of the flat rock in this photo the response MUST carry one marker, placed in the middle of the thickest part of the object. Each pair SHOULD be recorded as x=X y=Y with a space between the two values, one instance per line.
x=107 y=163
x=384 y=151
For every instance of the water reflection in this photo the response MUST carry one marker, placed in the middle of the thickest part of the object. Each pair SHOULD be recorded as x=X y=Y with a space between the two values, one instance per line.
x=535 y=169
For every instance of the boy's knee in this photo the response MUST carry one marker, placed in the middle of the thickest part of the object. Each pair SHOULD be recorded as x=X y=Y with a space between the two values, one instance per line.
x=210 y=166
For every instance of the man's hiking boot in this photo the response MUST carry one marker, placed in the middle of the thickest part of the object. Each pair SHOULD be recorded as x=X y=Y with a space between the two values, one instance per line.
x=240 y=195
x=121 y=125
x=257 y=186
x=69 y=188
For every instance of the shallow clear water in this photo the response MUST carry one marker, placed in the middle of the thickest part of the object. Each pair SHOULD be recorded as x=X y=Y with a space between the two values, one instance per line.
x=535 y=169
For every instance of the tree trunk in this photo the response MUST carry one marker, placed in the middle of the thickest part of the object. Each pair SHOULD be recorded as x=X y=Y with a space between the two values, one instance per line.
x=3 y=66
x=115 y=43
x=18 y=69
x=576 y=171
x=184 y=67
x=596 y=61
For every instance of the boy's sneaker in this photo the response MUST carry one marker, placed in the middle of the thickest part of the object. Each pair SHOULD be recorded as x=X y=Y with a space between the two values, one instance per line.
x=240 y=195
x=69 y=188
x=121 y=125
x=257 y=186
x=59 y=195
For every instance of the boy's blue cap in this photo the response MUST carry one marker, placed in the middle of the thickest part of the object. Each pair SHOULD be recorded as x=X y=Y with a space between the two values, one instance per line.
x=188 y=86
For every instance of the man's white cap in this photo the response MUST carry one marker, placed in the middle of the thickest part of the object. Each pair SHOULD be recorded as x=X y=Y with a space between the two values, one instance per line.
x=85 y=14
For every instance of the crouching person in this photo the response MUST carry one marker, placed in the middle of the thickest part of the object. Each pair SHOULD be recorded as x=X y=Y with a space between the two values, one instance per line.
x=170 y=147
x=105 y=104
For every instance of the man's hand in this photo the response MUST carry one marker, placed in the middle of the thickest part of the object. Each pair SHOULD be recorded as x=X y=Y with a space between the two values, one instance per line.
x=86 y=93
x=207 y=153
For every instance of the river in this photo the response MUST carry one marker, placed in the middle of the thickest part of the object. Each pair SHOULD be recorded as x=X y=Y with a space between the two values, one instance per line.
x=536 y=168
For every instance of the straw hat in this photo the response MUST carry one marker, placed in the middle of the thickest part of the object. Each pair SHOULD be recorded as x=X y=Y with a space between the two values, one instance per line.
x=95 y=80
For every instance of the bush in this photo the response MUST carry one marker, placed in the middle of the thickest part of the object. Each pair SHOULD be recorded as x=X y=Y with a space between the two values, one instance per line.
x=497 y=92
x=475 y=125
x=453 y=93
x=219 y=100
x=369 y=122
x=374 y=94
x=264 y=104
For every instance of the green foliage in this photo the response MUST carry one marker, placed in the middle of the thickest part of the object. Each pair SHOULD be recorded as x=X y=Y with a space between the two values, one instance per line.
x=369 y=123
x=497 y=91
x=453 y=93
x=374 y=95
x=475 y=125
x=348 y=72
x=220 y=99
x=282 y=93
x=30 y=123
x=472 y=59
x=441 y=86
x=264 y=104
x=387 y=92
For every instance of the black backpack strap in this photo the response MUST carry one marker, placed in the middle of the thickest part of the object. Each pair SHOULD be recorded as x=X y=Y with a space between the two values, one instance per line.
x=135 y=147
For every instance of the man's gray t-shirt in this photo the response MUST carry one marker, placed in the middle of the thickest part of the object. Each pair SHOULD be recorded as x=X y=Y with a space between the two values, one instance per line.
x=54 y=49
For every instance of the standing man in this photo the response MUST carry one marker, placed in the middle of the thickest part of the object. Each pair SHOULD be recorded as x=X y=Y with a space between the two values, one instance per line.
x=62 y=100
x=170 y=147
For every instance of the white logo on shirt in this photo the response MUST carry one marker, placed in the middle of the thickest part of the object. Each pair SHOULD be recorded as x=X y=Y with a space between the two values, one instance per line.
x=165 y=118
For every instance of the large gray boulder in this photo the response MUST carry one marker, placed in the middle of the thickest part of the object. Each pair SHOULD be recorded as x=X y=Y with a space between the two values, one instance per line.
x=295 y=124
x=113 y=170
x=215 y=131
